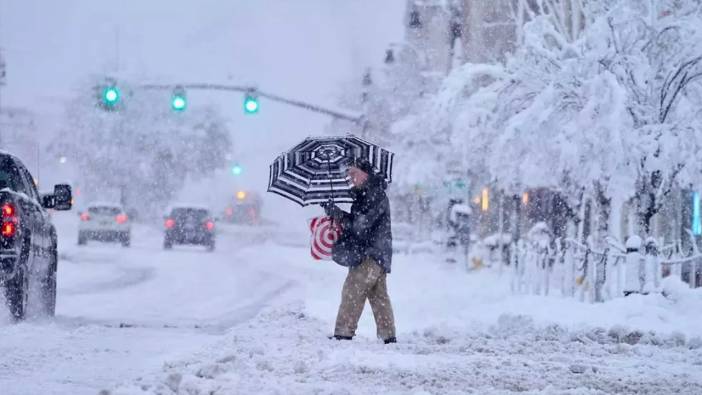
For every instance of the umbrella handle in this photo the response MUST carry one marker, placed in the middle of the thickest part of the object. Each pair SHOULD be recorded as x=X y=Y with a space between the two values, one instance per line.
x=331 y=187
x=331 y=183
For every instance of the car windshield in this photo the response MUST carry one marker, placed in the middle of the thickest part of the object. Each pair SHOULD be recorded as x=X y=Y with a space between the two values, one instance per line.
x=104 y=210
x=197 y=214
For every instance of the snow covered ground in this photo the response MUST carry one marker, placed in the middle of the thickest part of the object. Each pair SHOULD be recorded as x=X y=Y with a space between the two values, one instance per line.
x=254 y=316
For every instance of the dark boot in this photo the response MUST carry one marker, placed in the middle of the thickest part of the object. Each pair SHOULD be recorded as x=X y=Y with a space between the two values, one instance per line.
x=390 y=340
x=339 y=337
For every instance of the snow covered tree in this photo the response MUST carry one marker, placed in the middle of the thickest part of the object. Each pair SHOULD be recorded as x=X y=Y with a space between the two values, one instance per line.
x=566 y=16
x=616 y=103
x=142 y=152
x=609 y=115
x=654 y=50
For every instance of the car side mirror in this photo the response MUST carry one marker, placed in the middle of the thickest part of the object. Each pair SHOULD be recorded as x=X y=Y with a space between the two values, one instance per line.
x=63 y=197
x=48 y=201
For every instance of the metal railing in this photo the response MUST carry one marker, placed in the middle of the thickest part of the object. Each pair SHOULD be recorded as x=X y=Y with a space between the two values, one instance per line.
x=595 y=275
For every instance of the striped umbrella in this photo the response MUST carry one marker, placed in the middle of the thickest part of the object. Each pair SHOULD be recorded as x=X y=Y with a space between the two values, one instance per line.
x=314 y=171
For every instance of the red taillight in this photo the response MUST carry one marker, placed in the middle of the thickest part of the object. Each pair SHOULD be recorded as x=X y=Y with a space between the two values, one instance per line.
x=8 y=210
x=9 y=229
x=229 y=211
x=85 y=217
x=209 y=225
x=170 y=223
x=122 y=218
x=9 y=221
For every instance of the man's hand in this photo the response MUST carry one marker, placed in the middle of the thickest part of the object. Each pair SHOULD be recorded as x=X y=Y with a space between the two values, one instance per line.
x=328 y=207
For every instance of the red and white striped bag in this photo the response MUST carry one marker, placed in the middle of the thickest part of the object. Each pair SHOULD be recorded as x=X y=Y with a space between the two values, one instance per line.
x=325 y=233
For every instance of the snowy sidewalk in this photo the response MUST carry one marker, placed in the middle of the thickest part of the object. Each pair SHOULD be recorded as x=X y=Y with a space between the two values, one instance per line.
x=459 y=333
x=284 y=350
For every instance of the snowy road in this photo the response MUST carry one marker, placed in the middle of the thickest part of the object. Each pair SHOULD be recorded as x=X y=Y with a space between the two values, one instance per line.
x=122 y=311
x=253 y=316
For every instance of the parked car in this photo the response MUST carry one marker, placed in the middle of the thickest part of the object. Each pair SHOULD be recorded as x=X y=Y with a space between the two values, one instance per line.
x=189 y=225
x=245 y=208
x=28 y=254
x=104 y=222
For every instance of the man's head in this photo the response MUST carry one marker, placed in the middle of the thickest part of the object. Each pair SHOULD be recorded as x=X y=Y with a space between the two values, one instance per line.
x=359 y=171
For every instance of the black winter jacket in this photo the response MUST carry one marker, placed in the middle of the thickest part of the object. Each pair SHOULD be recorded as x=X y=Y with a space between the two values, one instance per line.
x=366 y=230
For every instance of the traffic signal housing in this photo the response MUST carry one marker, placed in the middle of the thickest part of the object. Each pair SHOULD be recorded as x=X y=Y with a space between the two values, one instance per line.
x=109 y=95
x=179 y=101
x=251 y=105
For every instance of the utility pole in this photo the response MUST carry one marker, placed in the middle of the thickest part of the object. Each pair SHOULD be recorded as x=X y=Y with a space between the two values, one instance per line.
x=365 y=98
x=117 y=37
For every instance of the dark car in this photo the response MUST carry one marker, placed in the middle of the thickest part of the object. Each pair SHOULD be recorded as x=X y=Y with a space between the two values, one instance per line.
x=28 y=254
x=189 y=225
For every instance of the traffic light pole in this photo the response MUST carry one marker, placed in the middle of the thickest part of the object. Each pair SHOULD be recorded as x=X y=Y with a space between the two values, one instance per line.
x=357 y=119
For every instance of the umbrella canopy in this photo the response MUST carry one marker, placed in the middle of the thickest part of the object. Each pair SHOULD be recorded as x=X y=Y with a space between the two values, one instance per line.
x=315 y=170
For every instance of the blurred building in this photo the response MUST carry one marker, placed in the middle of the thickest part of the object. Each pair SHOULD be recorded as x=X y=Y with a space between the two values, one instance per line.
x=18 y=135
x=453 y=32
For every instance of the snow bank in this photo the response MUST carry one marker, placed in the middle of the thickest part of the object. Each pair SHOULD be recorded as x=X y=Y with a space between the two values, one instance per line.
x=284 y=350
x=458 y=333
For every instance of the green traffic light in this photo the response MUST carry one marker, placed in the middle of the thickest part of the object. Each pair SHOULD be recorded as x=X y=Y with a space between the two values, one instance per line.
x=250 y=105
x=178 y=99
x=110 y=96
x=237 y=170
x=178 y=103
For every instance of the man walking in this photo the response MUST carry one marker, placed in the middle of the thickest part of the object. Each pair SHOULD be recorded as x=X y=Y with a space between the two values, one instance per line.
x=365 y=246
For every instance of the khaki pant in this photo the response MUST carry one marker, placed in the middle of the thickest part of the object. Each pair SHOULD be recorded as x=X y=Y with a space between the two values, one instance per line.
x=367 y=280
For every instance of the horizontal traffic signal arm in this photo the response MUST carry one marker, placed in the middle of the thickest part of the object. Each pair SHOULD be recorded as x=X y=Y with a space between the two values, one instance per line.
x=356 y=118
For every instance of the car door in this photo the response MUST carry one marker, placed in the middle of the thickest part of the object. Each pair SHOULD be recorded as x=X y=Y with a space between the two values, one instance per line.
x=42 y=218
x=33 y=212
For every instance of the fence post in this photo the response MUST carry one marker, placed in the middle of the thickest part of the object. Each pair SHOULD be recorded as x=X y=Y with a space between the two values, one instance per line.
x=618 y=268
x=568 y=259
x=652 y=266
x=633 y=281
x=514 y=268
x=601 y=275
x=695 y=268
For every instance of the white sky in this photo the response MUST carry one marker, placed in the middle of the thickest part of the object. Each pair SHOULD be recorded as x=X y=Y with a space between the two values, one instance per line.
x=305 y=49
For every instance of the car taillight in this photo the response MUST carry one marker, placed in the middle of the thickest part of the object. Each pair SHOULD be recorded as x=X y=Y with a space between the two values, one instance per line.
x=229 y=211
x=9 y=220
x=209 y=225
x=85 y=217
x=8 y=210
x=170 y=223
x=122 y=218
x=8 y=229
